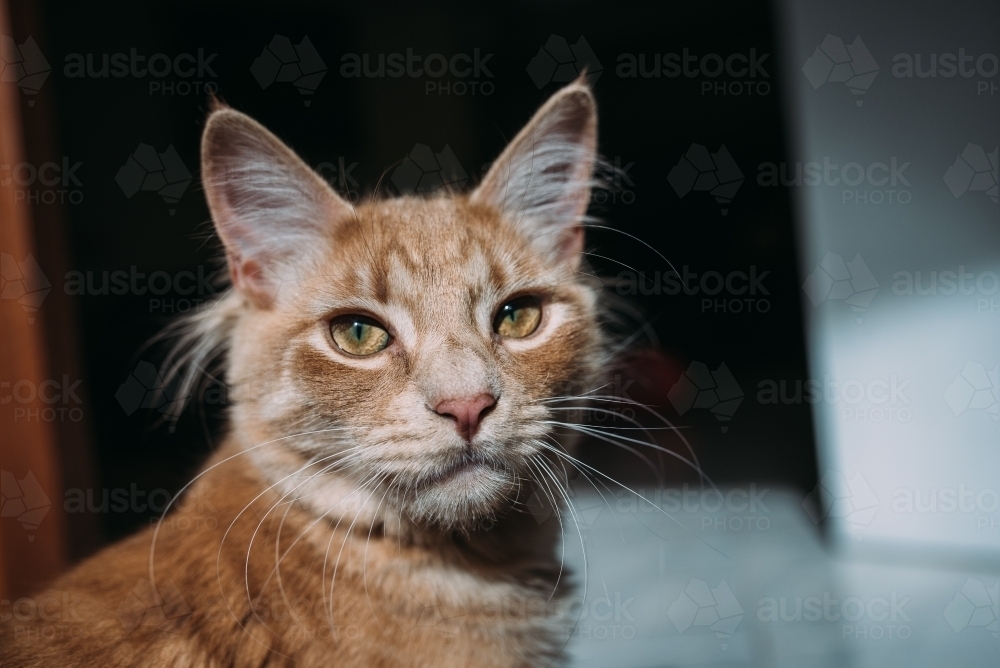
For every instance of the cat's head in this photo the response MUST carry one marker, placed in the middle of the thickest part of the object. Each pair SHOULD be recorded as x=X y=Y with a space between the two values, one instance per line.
x=412 y=342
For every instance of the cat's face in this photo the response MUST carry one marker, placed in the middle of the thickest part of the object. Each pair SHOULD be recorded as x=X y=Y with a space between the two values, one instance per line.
x=415 y=343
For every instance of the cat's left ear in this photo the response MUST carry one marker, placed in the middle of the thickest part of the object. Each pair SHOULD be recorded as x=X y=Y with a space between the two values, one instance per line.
x=542 y=181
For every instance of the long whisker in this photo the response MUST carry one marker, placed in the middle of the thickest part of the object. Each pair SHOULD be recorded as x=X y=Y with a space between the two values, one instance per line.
x=583 y=550
x=574 y=396
x=593 y=484
x=608 y=439
x=333 y=579
x=542 y=466
x=344 y=456
x=364 y=561
x=610 y=259
x=328 y=606
x=662 y=419
x=276 y=571
x=156 y=531
x=635 y=238
x=218 y=559
x=222 y=542
x=636 y=494
x=277 y=568
x=605 y=411
x=597 y=433
x=536 y=465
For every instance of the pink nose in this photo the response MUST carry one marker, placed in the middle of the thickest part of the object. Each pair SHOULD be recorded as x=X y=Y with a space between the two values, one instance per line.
x=467 y=412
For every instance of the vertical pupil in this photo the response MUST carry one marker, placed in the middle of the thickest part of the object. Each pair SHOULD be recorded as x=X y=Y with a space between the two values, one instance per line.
x=358 y=329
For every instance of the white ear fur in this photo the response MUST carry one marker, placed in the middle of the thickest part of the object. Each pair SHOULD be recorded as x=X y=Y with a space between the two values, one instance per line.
x=269 y=207
x=542 y=180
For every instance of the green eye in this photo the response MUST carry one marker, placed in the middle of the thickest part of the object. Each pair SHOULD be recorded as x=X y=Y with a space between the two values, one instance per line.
x=359 y=335
x=518 y=318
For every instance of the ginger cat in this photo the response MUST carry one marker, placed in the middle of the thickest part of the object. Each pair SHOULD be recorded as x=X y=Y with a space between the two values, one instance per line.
x=395 y=367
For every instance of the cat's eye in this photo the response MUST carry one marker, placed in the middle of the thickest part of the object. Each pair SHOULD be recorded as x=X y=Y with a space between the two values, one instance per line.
x=518 y=318
x=359 y=335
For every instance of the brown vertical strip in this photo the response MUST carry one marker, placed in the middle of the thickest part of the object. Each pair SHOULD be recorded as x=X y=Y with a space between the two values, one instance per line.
x=31 y=520
x=73 y=431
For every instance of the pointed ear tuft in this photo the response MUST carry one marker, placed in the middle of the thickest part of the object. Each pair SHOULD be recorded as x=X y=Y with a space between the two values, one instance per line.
x=216 y=103
x=542 y=181
x=269 y=207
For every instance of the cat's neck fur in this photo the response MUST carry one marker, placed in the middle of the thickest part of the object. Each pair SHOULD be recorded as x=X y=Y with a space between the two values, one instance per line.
x=339 y=498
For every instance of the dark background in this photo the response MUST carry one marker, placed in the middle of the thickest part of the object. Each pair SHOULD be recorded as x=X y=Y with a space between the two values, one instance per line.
x=646 y=125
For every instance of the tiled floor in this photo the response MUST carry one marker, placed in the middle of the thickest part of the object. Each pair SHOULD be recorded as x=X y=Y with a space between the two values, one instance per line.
x=750 y=584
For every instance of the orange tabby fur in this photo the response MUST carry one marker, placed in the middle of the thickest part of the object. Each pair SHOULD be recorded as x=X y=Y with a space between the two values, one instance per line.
x=342 y=522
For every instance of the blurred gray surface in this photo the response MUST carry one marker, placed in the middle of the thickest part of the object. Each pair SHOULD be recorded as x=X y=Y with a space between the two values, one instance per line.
x=897 y=106
x=894 y=178
x=750 y=584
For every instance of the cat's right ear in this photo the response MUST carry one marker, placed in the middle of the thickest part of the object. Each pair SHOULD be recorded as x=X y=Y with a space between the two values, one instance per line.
x=269 y=207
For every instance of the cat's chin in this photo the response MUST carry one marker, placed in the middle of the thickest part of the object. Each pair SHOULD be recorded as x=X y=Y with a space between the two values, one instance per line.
x=462 y=496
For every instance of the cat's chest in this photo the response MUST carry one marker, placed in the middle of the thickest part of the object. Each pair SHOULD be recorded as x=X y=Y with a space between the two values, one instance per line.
x=395 y=601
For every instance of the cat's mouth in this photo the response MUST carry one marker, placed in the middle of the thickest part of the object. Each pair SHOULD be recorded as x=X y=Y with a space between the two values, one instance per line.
x=464 y=467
